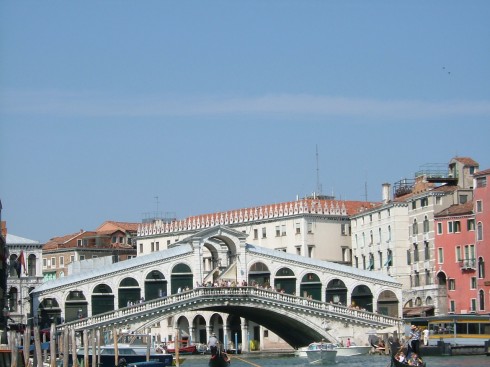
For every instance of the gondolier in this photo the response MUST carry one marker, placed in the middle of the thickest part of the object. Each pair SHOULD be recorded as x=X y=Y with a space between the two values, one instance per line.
x=213 y=344
x=415 y=339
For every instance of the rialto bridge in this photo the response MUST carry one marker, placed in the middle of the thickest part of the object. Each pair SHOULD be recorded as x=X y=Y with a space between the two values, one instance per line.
x=250 y=289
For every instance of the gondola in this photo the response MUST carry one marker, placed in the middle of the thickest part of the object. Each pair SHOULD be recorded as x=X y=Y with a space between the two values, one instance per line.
x=219 y=359
x=395 y=348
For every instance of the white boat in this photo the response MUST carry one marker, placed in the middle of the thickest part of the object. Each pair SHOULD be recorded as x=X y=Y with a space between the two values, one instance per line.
x=353 y=350
x=321 y=353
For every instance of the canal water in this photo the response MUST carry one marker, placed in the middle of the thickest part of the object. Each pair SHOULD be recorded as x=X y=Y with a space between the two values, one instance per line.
x=249 y=360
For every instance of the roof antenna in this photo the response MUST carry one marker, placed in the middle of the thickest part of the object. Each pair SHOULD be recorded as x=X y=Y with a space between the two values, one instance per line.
x=318 y=184
x=156 y=214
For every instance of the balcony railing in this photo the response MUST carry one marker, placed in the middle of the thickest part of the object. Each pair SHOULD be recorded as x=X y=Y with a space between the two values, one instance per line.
x=467 y=264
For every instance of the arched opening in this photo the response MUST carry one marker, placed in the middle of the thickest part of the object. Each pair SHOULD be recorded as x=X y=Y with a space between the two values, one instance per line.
x=49 y=312
x=155 y=285
x=235 y=328
x=199 y=324
x=181 y=278
x=362 y=297
x=388 y=304
x=259 y=274
x=311 y=287
x=31 y=265
x=285 y=281
x=75 y=306
x=102 y=299
x=129 y=292
x=336 y=292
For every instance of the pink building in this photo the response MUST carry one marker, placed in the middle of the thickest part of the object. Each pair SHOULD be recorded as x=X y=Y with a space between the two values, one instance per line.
x=482 y=221
x=455 y=257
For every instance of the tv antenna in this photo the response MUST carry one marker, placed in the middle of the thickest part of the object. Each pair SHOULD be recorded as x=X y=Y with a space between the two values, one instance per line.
x=318 y=184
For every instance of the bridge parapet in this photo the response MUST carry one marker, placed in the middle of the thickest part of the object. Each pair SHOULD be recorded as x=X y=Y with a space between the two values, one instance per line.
x=196 y=298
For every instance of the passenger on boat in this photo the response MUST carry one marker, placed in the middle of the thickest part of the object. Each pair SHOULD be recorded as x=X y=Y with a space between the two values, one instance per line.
x=400 y=357
x=414 y=360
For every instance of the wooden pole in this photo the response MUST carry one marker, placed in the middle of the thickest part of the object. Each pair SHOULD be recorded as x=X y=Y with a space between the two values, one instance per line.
x=98 y=347
x=14 y=352
x=94 y=350
x=44 y=352
x=116 y=351
x=74 y=348
x=148 y=344
x=27 y=344
x=52 y=346
x=66 y=346
x=177 y=363
x=85 y=348
x=38 y=360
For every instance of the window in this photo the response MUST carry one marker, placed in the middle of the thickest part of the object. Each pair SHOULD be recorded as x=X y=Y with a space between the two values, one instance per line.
x=152 y=246
x=440 y=255
x=114 y=239
x=479 y=231
x=409 y=257
x=278 y=231
x=298 y=228
x=380 y=256
x=481 y=182
x=79 y=243
x=481 y=268
x=463 y=199
x=371 y=239
x=283 y=230
x=473 y=304
x=426 y=251
x=356 y=262
x=427 y=277
x=415 y=229
x=53 y=262
x=439 y=228
x=414 y=205
x=479 y=206
x=389 y=258
x=426 y=225
x=168 y=242
x=370 y=217
x=157 y=246
x=264 y=232
x=310 y=251
x=309 y=226
x=457 y=226
x=473 y=283
x=256 y=233
x=45 y=261
x=438 y=200
x=450 y=227
x=141 y=248
x=389 y=233
x=424 y=202
x=481 y=295
x=417 y=279
x=343 y=229
x=379 y=236
x=452 y=284
x=72 y=258
x=470 y=225
x=298 y=250
x=458 y=253
x=415 y=252
x=62 y=261
x=452 y=306
x=82 y=257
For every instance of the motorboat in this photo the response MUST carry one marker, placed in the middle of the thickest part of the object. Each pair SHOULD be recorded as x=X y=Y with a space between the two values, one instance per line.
x=321 y=353
x=353 y=350
x=126 y=354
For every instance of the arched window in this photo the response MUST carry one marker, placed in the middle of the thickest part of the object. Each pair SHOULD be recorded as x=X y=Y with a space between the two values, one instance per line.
x=415 y=229
x=426 y=224
x=31 y=265
x=479 y=231
x=481 y=268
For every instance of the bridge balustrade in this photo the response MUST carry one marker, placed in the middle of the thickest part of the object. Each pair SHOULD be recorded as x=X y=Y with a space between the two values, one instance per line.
x=151 y=309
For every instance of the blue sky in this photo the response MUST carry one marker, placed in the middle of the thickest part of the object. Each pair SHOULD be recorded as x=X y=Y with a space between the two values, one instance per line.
x=219 y=105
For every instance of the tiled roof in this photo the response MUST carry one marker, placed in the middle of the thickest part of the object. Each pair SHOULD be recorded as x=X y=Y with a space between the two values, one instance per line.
x=456 y=209
x=125 y=226
x=467 y=161
x=16 y=240
x=446 y=188
x=482 y=173
x=61 y=242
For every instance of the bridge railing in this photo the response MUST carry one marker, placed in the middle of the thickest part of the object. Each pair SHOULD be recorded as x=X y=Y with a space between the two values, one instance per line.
x=152 y=308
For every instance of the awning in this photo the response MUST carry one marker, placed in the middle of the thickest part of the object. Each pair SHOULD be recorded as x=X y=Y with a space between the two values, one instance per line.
x=417 y=311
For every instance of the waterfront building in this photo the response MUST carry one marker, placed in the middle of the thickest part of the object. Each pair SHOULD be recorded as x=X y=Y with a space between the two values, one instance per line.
x=61 y=255
x=24 y=274
x=482 y=234
x=455 y=258
x=407 y=221
x=3 y=280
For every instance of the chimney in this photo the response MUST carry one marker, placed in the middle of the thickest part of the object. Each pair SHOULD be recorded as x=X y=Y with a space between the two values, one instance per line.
x=386 y=192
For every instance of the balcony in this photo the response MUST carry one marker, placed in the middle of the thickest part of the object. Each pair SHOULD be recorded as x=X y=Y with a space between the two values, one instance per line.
x=467 y=264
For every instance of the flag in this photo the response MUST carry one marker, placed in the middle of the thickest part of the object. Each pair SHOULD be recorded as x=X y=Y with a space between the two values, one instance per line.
x=21 y=262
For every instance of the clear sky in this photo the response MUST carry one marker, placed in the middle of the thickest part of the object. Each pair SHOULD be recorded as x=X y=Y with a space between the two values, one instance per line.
x=220 y=105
